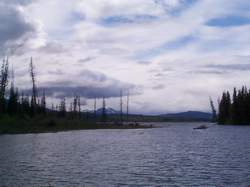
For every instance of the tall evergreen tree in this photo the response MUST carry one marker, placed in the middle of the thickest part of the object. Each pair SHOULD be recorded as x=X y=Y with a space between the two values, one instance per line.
x=12 y=106
x=121 y=106
x=3 y=84
x=228 y=106
x=62 y=108
x=95 y=107
x=222 y=117
x=34 y=89
x=127 y=105
x=235 y=107
x=79 y=105
x=236 y=111
x=75 y=105
x=25 y=105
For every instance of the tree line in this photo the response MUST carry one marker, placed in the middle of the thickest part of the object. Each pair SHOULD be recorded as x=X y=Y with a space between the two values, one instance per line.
x=15 y=102
x=235 y=108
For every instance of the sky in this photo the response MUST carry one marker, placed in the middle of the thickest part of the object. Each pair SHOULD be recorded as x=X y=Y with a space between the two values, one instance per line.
x=170 y=55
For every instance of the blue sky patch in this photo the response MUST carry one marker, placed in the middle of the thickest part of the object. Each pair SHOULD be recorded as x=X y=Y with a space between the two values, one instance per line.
x=168 y=46
x=228 y=21
x=175 y=11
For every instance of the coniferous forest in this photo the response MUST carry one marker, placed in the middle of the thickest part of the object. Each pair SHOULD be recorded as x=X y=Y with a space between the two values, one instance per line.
x=13 y=102
x=22 y=112
x=28 y=111
x=235 y=109
x=29 y=108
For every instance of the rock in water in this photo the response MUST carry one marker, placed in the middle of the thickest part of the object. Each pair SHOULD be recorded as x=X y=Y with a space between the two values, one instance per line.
x=201 y=127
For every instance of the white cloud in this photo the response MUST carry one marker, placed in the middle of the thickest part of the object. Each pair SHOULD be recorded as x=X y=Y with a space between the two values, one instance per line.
x=69 y=32
x=96 y=9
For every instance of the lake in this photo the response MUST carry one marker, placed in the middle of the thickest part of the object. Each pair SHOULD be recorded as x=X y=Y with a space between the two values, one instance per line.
x=174 y=155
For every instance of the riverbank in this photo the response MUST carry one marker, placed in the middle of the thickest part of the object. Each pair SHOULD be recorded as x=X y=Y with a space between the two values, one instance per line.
x=41 y=124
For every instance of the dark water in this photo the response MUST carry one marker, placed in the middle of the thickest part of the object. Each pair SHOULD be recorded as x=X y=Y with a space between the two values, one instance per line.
x=175 y=155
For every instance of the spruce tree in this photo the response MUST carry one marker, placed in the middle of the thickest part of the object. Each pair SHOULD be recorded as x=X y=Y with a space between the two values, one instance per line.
x=62 y=108
x=12 y=106
x=237 y=111
x=34 y=89
x=3 y=84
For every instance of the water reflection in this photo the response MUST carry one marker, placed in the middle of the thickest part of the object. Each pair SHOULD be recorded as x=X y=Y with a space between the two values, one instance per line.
x=173 y=155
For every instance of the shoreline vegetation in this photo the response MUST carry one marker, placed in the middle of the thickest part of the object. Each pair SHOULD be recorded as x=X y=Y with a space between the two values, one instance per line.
x=39 y=124
x=235 y=109
x=28 y=111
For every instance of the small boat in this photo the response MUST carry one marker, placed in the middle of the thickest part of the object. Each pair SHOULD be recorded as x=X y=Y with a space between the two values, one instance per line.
x=201 y=127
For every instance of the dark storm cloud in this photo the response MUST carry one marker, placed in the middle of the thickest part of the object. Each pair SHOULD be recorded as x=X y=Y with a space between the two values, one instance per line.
x=99 y=77
x=83 y=91
x=13 y=26
x=102 y=86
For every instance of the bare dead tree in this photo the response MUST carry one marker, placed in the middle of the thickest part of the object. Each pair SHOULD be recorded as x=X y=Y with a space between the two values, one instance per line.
x=95 y=107
x=43 y=103
x=71 y=107
x=214 y=113
x=75 y=105
x=104 y=115
x=34 y=88
x=3 y=83
x=62 y=108
x=121 y=103
x=4 y=77
x=79 y=105
x=127 y=104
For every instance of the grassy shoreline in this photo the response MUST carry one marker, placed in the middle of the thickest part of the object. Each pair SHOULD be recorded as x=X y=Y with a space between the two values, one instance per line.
x=41 y=124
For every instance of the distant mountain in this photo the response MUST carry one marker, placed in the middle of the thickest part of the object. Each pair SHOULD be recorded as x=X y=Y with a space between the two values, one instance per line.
x=109 y=111
x=178 y=117
x=188 y=116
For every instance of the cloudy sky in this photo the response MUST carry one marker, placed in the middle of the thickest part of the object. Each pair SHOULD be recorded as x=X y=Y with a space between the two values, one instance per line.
x=171 y=54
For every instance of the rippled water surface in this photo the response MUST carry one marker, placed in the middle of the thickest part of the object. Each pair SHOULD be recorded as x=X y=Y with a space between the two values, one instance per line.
x=175 y=155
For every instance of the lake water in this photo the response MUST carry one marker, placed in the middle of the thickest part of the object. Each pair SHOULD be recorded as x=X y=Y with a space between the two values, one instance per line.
x=175 y=155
